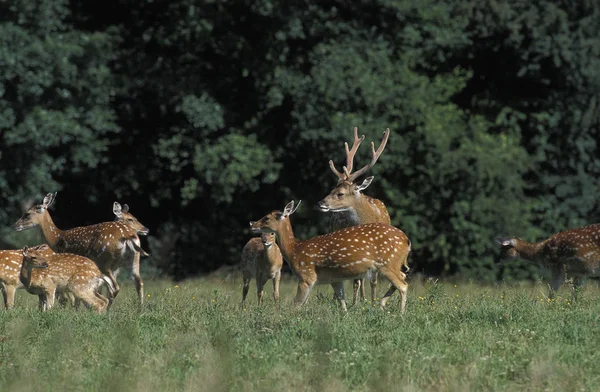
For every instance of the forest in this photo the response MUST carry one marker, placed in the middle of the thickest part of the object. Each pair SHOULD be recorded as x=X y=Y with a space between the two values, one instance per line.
x=204 y=115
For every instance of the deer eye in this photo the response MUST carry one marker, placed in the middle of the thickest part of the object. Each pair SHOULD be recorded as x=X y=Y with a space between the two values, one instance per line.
x=129 y=220
x=340 y=195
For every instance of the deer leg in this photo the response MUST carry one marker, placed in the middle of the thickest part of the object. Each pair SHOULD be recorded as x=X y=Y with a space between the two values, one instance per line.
x=302 y=292
x=398 y=283
x=338 y=288
x=50 y=294
x=245 y=290
x=558 y=278
x=578 y=283
x=42 y=302
x=357 y=285
x=373 y=286
x=9 y=296
x=260 y=284
x=276 y=279
x=135 y=275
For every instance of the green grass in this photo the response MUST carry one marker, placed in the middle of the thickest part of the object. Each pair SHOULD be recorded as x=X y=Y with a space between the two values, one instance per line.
x=195 y=337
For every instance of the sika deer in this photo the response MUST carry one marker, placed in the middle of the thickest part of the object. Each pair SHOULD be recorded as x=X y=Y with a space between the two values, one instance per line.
x=10 y=268
x=344 y=254
x=261 y=259
x=110 y=245
x=122 y=215
x=350 y=206
x=46 y=273
x=575 y=252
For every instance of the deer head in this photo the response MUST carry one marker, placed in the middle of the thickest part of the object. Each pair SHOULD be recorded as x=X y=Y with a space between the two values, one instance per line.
x=273 y=221
x=122 y=215
x=508 y=248
x=268 y=239
x=346 y=193
x=34 y=214
x=34 y=258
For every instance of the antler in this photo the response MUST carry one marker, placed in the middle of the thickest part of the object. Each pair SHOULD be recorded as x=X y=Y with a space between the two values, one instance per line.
x=349 y=156
x=352 y=176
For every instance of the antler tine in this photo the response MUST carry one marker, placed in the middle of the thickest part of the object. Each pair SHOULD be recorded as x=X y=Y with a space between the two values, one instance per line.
x=375 y=157
x=349 y=156
x=351 y=153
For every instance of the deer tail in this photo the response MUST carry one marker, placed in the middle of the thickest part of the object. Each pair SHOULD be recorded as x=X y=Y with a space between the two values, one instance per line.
x=109 y=285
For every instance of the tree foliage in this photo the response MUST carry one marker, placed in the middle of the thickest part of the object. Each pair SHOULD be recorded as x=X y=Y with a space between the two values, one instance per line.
x=205 y=115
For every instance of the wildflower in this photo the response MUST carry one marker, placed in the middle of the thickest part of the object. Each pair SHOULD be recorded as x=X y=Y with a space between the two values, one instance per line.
x=148 y=295
x=213 y=300
x=176 y=286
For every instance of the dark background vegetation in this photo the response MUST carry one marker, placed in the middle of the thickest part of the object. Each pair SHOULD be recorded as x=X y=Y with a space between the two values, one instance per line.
x=203 y=115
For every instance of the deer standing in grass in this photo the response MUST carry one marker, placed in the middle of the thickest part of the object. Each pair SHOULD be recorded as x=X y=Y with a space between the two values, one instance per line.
x=345 y=254
x=122 y=215
x=10 y=270
x=350 y=207
x=575 y=252
x=261 y=259
x=110 y=245
x=45 y=273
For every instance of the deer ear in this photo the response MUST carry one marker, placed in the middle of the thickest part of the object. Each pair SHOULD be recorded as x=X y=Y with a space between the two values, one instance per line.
x=125 y=208
x=25 y=250
x=48 y=200
x=365 y=184
x=505 y=241
x=289 y=209
x=117 y=210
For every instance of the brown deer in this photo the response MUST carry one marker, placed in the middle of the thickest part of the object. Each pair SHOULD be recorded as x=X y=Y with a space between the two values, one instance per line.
x=575 y=252
x=111 y=245
x=345 y=254
x=261 y=259
x=123 y=215
x=10 y=269
x=45 y=273
x=350 y=206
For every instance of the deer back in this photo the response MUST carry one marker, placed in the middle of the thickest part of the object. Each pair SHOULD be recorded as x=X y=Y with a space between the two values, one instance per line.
x=107 y=242
x=579 y=248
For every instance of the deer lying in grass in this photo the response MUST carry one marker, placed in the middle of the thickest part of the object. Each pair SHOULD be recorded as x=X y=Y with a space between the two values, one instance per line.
x=111 y=245
x=261 y=259
x=575 y=252
x=350 y=207
x=345 y=254
x=45 y=273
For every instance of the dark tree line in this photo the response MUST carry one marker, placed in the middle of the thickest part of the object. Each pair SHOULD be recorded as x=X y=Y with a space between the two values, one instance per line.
x=205 y=115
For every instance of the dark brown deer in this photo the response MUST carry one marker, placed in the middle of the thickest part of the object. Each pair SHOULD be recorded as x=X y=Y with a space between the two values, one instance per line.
x=45 y=273
x=350 y=207
x=111 y=245
x=262 y=260
x=574 y=252
x=345 y=254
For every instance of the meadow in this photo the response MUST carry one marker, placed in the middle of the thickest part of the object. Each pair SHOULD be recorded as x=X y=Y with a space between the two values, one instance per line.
x=194 y=336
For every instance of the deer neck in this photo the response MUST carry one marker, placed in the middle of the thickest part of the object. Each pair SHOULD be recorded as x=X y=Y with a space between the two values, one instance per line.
x=531 y=251
x=286 y=241
x=25 y=276
x=51 y=233
x=363 y=211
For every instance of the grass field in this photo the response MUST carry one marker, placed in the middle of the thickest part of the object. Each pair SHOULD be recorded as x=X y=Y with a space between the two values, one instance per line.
x=195 y=337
